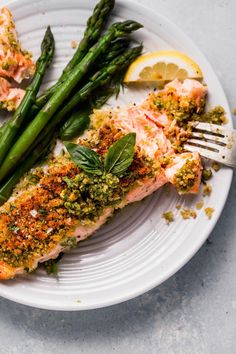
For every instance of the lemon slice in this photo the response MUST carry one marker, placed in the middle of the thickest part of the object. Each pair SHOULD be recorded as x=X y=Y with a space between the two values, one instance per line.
x=162 y=66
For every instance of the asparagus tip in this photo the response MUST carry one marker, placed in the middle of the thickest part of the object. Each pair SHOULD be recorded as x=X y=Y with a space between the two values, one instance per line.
x=48 y=43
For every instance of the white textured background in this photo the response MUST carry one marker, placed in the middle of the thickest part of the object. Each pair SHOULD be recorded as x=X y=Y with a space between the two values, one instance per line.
x=194 y=311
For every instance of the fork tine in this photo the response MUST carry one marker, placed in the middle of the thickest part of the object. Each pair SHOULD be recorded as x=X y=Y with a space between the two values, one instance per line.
x=203 y=136
x=216 y=130
x=223 y=156
x=212 y=155
x=205 y=144
x=203 y=152
x=213 y=142
x=211 y=128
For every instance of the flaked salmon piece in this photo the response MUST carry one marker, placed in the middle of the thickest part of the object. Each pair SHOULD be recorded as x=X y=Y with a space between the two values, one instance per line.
x=14 y=62
x=188 y=96
x=184 y=171
x=66 y=205
x=150 y=137
x=10 y=97
x=160 y=119
x=189 y=88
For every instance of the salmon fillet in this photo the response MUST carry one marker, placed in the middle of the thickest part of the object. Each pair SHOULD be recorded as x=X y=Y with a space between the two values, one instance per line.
x=14 y=62
x=57 y=205
x=10 y=97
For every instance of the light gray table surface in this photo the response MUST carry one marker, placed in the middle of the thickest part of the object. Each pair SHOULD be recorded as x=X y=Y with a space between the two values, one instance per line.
x=195 y=310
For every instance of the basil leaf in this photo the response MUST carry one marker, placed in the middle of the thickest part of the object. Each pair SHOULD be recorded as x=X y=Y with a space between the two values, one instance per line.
x=76 y=124
x=120 y=155
x=87 y=159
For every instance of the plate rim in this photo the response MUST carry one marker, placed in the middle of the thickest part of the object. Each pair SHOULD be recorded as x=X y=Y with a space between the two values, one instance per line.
x=210 y=225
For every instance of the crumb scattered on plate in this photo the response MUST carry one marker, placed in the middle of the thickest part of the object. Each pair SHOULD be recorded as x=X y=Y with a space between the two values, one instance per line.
x=188 y=213
x=216 y=166
x=168 y=216
x=207 y=190
x=209 y=212
x=206 y=174
x=74 y=44
x=199 y=205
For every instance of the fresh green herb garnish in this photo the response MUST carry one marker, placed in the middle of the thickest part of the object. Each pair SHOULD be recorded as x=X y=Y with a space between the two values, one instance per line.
x=85 y=158
x=119 y=157
x=77 y=123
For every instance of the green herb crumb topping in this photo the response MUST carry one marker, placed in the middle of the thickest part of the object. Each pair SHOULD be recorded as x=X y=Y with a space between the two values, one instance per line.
x=184 y=179
x=86 y=195
x=168 y=216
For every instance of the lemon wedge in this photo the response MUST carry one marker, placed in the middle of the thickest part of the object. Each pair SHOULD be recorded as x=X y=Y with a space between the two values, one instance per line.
x=162 y=66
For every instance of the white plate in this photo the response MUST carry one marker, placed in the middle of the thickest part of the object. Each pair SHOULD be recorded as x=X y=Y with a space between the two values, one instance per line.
x=136 y=250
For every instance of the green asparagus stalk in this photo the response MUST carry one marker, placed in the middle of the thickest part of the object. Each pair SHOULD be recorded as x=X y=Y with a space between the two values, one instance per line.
x=1 y=128
x=95 y=25
x=40 y=146
x=37 y=153
x=13 y=125
x=117 y=48
x=99 y=79
x=78 y=72
x=79 y=119
x=95 y=99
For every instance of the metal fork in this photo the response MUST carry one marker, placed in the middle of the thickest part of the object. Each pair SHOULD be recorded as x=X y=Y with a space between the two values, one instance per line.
x=213 y=142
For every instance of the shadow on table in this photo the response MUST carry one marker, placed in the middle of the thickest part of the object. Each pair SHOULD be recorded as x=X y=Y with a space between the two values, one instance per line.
x=137 y=315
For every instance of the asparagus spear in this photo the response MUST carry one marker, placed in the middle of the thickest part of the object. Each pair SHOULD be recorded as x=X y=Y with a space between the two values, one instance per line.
x=97 y=98
x=12 y=126
x=1 y=128
x=117 y=48
x=95 y=25
x=79 y=119
x=40 y=121
x=99 y=79
x=40 y=146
